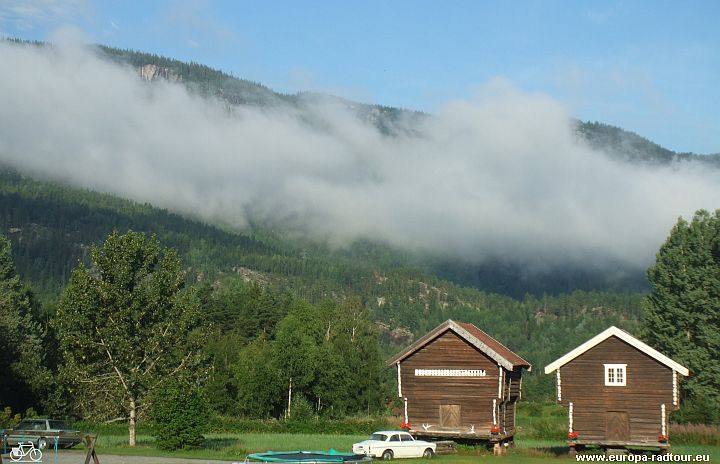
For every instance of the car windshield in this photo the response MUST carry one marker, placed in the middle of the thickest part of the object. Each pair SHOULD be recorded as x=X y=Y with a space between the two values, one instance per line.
x=24 y=425
x=378 y=436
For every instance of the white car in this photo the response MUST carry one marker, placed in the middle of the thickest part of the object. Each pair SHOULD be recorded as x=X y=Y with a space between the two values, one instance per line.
x=388 y=444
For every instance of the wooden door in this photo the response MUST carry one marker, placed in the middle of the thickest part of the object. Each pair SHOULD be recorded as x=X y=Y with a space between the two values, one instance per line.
x=450 y=416
x=617 y=426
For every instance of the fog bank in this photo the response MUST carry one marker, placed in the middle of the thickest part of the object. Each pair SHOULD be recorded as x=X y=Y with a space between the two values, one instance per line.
x=501 y=175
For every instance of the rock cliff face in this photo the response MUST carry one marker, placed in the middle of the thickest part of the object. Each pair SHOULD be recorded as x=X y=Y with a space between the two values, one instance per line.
x=151 y=72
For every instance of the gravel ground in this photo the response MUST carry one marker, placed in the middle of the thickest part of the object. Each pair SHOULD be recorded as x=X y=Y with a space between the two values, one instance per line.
x=79 y=458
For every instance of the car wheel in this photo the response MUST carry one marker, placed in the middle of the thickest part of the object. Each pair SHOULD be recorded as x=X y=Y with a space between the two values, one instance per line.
x=428 y=453
x=42 y=443
x=387 y=455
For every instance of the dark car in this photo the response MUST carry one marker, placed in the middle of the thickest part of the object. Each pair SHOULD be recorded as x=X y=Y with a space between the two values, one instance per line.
x=43 y=433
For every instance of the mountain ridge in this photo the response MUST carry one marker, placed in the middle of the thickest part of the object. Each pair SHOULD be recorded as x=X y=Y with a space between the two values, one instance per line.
x=492 y=276
x=622 y=144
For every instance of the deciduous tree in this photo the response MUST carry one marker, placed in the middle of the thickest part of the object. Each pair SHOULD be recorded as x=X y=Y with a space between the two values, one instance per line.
x=125 y=324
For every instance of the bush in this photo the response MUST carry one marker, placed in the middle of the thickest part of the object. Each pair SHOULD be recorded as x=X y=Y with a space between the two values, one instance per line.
x=547 y=429
x=347 y=426
x=698 y=410
x=302 y=410
x=180 y=414
x=8 y=419
x=532 y=409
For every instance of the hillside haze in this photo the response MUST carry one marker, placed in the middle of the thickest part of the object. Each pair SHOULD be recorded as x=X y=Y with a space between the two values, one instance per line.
x=506 y=192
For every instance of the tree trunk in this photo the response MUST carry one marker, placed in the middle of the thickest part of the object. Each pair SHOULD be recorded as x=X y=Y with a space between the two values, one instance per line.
x=131 y=423
x=289 y=399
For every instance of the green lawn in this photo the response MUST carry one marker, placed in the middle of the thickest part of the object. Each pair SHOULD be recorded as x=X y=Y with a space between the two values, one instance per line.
x=231 y=445
x=235 y=446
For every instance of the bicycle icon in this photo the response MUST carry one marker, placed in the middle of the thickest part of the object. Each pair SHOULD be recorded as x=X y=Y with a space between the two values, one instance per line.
x=25 y=450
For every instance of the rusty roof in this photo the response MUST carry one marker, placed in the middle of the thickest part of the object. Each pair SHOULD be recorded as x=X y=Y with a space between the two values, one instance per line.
x=471 y=334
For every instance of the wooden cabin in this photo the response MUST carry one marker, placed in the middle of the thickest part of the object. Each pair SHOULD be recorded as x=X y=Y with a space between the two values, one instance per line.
x=618 y=391
x=459 y=382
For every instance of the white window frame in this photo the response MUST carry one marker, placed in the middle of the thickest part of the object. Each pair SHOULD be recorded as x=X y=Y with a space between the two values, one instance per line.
x=615 y=368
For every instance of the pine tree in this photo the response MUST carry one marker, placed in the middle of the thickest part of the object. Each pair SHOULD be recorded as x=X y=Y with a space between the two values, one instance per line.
x=681 y=316
x=22 y=358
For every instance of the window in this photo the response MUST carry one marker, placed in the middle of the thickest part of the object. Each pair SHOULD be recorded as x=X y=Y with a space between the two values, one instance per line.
x=394 y=438
x=615 y=375
x=406 y=437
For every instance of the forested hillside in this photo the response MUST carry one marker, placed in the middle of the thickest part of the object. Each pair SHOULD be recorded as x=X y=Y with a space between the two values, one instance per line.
x=617 y=142
x=209 y=82
x=52 y=228
x=630 y=147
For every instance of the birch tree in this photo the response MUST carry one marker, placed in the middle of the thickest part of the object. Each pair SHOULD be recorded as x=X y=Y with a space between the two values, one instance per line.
x=125 y=324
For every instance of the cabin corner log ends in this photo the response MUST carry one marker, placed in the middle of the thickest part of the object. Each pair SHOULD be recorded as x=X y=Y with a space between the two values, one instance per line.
x=618 y=392
x=457 y=382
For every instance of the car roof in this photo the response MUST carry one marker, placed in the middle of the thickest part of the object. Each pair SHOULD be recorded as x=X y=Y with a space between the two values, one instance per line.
x=390 y=432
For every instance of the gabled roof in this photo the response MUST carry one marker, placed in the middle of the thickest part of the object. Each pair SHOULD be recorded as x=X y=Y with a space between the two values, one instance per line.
x=474 y=336
x=627 y=338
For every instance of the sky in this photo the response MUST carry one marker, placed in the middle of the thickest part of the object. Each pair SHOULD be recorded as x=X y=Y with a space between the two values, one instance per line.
x=651 y=67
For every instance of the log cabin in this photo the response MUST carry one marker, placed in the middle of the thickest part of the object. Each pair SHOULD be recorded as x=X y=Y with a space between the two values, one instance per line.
x=458 y=382
x=618 y=391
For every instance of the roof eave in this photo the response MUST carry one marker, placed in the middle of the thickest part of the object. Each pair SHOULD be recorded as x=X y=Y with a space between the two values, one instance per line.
x=480 y=345
x=627 y=338
x=457 y=328
x=425 y=339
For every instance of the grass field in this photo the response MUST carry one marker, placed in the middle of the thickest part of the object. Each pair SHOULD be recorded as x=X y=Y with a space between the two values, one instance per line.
x=541 y=428
x=235 y=446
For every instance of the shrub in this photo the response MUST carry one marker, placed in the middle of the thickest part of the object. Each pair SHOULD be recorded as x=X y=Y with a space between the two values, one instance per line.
x=8 y=419
x=532 y=409
x=698 y=410
x=346 y=426
x=180 y=413
x=547 y=429
x=302 y=410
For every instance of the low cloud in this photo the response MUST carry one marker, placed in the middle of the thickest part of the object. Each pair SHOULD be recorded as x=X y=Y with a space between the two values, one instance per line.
x=503 y=175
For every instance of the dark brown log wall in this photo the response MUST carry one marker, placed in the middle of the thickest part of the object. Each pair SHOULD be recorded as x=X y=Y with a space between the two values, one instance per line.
x=474 y=395
x=603 y=412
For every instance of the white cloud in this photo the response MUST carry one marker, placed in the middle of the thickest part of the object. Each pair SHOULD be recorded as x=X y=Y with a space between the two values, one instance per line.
x=501 y=175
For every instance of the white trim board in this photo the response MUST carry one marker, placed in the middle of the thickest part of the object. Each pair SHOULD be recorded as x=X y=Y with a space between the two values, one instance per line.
x=480 y=345
x=627 y=338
